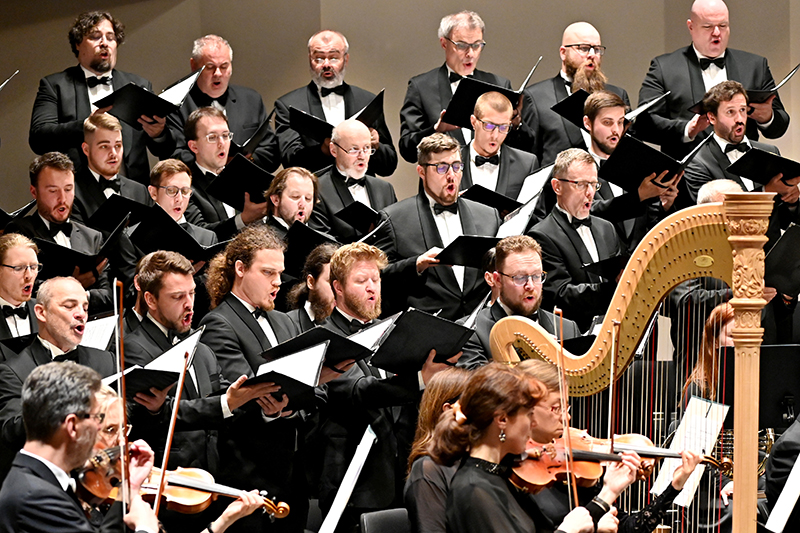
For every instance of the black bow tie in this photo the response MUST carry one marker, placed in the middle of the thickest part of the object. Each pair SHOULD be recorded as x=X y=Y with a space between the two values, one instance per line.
x=69 y=356
x=353 y=181
x=339 y=89
x=258 y=313
x=112 y=184
x=174 y=336
x=94 y=81
x=203 y=100
x=742 y=147
x=706 y=62
x=567 y=83
x=20 y=312
x=480 y=160
x=356 y=326
x=438 y=209
x=578 y=222
x=453 y=77
x=65 y=228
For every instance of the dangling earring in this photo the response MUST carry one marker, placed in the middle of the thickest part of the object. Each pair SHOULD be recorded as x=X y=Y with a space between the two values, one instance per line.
x=502 y=435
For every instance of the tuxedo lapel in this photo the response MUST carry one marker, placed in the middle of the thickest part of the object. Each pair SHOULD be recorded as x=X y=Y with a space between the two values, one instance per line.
x=732 y=68
x=5 y=331
x=466 y=174
x=82 y=106
x=696 y=75
x=722 y=160
x=250 y=321
x=468 y=228
x=349 y=102
x=503 y=172
x=570 y=129
x=314 y=103
x=430 y=234
x=93 y=196
x=572 y=235
x=445 y=94
x=41 y=355
x=340 y=184
x=79 y=240
x=161 y=341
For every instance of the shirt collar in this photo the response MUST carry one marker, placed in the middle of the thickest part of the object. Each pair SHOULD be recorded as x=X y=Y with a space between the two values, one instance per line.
x=61 y=476
x=700 y=56
x=473 y=153
x=160 y=326
x=250 y=308
x=308 y=309
x=3 y=302
x=98 y=176
x=431 y=201
x=89 y=74
x=349 y=317
x=280 y=221
x=54 y=350
x=204 y=170
x=47 y=222
x=569 y=217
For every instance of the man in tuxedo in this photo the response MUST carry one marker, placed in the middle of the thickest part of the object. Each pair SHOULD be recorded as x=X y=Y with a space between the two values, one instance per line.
x=329 y=98
x=61 y=312
x=311 y=300
x=366 y=395
x=520 y=276
x=209 y=138
x=427 y=96
x=571 y=238
x=292 y=197
x=727 y=106
x=65 y=99
x=347 y=182
x=688 y=73
x=419 y=227
x=53 y=188
x=62 y=417
x=491 y=164
x=242 y=106
x=19 y=266
x=581 y=68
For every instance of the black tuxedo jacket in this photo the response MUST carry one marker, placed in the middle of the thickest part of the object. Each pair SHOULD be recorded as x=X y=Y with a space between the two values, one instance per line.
x=89 y=196
x=84 y=239
x=279 y=229
x=245 y=111
x=552 y=132
x=580 y=294
x=13 y=374
x=301 y=319
x=679 y=72
x=429 y=93
x=301 y=151
x=335 y=196
x=205 y=210
x=478 y=350
x=410 y=232
x=781 y=460
x=61 y=106
x=515 y=166
x=5 y=331
x=199 y=415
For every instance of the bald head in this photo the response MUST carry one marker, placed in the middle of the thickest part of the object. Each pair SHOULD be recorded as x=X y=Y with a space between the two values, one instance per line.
x=580 y=33
x=709 y=27
x=351 y=135
x=582 y=67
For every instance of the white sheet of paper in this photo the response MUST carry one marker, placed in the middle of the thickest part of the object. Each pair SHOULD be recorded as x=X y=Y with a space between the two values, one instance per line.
x=369 y=337
x=534 y=183
x=113 y=378
x=177 y=93
x=349 y=481
x=698 y=431
x=303 y=366
x=173 y=359
x=98 y=332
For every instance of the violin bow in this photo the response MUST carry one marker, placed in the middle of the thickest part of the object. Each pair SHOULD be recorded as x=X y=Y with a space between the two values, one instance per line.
x=125 y=456
x=572 y=486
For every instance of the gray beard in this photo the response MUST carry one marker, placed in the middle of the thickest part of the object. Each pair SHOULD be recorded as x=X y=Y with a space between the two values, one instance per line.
x=328 y=84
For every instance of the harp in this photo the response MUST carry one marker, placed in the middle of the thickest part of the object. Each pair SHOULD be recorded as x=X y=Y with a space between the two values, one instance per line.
x=721 y=240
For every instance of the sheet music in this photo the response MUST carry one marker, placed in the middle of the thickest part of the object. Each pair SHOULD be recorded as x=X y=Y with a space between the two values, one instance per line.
x=349 y=481
x=304 y=366
x=173 y=359
x=98 y=332
x=698 y=431
x=177 y=93
x=370 y=337
x=533 y=184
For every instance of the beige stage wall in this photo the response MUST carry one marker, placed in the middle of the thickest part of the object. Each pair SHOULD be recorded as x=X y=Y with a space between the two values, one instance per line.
x=390 y=42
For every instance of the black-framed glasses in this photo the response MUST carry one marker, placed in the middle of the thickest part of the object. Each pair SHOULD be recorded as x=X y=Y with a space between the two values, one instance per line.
x=521 y=279
x=585 y=49
x=97 y=416
x=19 y=269
x=442 y=168
x=367 y=150
x=173 y=190
x=215 y=137
x=583 y=185
x=463 y=47
x=491 y=126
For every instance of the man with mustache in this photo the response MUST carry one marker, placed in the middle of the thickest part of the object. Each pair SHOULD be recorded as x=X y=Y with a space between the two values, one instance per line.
x=292 y=197
x=726 y=105
x=65 y=99
x=692 y=71
x=53 y=188
x=581 y=59
x=311 y=300
x=19 y=266
x=328 y=97
x=242 y=106
x=61 y=312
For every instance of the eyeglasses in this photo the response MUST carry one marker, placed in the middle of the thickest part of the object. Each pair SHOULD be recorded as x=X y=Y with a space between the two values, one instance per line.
x=19 y=269
x=172 y=191
x=442 y=168
x=491 y=126
x=113 y=431
x=97 y=416
x=367 y=150
x=522 y=279
x=583 y=185
x=214 y=137
x=585 y=49
x=463 y=47
x=322 y=60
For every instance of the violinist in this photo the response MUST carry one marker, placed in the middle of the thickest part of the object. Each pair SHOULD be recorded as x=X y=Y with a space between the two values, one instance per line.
x=554 y=501
x=490 y=425
x=62 y=418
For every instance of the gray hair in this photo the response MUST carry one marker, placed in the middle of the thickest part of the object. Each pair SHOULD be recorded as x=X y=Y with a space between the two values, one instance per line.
x=462 y=19
x=208 y=40
x=45 y=292
x=567 y=158
x=344 y=39
x=714 y=190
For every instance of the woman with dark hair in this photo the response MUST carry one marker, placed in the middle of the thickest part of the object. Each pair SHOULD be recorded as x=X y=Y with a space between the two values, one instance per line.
x=704 y=378
x=485 y=429
x=428 y=482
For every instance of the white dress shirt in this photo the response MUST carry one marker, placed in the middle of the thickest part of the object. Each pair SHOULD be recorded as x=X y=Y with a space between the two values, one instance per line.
x=99 y=91
x=17 y=326
x=107 y=192
x=485 y=175
x=332 y=107
x=449 y=226
x=733 y=156
x=585 y=233
x=262 y=321
x=60 y=238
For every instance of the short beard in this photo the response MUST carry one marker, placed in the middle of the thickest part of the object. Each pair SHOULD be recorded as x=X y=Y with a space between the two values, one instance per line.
x=337 y=80
x=589 y=82
x=100 y=65
x=518 y=311
x=320 y=309
x=361 y=310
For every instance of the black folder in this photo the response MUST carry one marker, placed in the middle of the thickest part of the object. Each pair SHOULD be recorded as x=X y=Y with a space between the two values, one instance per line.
x=359 y=215
x=462 y=104
x=608 y=268
x=158 y=231
x=482 y=195
x=301 y=394
x=761 y=166
x=782 y=263
x=301 y=240
x=6 y=218
x=238 y=177
x=249 y=146
x=757 y=96
x=466 y=250
x=406 y=346
x=571 y=107
x=318 y=129
x=340 y=348
x=17 y=344
x=113 y=211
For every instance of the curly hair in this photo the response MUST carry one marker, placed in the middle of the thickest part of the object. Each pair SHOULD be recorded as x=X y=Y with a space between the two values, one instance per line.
x=86 y=22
